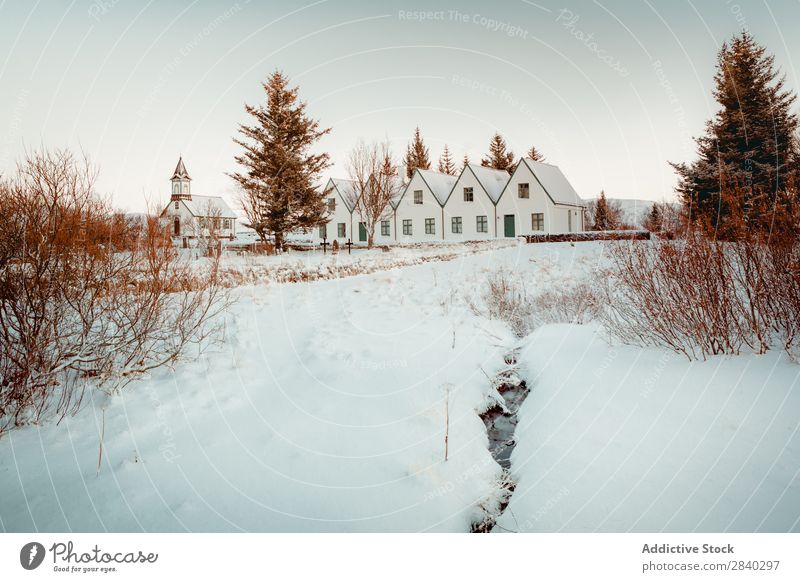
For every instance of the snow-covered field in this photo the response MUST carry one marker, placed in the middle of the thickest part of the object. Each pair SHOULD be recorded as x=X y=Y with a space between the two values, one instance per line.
x=323 y=409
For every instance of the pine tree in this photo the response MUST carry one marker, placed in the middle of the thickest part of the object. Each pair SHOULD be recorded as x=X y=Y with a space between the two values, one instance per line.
x=749 y=145
x=654 y=219
x=498 y=158
x=417 y=155
x=465 y=162
x=601 y=214
x=446 y=165
x=534 y=154
x=278 y=171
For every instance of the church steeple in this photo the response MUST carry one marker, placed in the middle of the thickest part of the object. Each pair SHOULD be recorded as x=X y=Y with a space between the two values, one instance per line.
x=181 y=182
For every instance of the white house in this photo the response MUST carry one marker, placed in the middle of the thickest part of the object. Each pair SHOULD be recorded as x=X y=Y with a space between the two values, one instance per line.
x=341 y=197
x=538 y=199
x=191 y=216
x=419 y=212
x=469 y=209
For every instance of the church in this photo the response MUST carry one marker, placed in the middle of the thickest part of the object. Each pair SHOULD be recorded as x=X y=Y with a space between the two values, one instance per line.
x=192 y=217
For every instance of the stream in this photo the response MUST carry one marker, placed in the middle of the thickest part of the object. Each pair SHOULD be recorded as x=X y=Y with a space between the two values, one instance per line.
x=500 y=427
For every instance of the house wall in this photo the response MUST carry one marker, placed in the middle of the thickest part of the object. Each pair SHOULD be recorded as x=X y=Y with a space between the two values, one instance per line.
x=468 y=211
x=556 y=219
x=340 y=214
x=189 y=225
x=417 y=213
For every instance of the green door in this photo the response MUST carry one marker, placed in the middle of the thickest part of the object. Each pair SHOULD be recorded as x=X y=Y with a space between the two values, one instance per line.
x=508 y=225
x=362 y=231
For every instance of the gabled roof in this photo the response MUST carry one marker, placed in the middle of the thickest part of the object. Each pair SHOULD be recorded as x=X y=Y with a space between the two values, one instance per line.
x=347 y=192
x=209 y=206
x=398 y=188
x=438 y=183
x=492 y=181
x=180 y=171
x=554 y=183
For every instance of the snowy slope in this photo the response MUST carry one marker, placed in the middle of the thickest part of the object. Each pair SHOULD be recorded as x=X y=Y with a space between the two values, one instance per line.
x=322 y=411
x=617 y=438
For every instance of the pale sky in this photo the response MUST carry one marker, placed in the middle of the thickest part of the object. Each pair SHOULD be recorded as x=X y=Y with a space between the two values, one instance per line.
x=610 y=91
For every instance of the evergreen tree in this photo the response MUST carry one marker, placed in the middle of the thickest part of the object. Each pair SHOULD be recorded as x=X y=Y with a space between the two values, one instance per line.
x=749 y=145
x=417 y=155
x=601 y=213
x=498 y=158
x=446 y=165
x=278 y=171
x=534 y=154
x=654 y=219
x=466 y=162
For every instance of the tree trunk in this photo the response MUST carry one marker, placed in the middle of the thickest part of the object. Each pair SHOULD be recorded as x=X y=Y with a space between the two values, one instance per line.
x=278 y=242
x=370 y=239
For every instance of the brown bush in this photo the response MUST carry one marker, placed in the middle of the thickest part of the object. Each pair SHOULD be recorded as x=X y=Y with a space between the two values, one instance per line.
x=86 y=293
x=701 y=297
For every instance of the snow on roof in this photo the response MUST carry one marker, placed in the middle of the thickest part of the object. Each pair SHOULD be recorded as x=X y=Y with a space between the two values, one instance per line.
x=440 y=184
x=493 y=181
x=347 y=191
x=206 y=205
x=555 y=183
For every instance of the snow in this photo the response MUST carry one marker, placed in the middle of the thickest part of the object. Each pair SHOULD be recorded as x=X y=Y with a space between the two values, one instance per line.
x=620 y=438
x=208 y=205
x=348 y=192
x=322 y=409
x=493 y=181
x=555 y=183
x=440 y=184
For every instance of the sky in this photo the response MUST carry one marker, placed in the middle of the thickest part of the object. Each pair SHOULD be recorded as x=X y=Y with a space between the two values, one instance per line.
x=609 y=91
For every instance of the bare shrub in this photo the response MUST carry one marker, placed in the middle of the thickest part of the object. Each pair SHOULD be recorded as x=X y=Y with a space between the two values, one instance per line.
x=702 y=297
x=576 y=303
x=503 y=296
x=86 y=296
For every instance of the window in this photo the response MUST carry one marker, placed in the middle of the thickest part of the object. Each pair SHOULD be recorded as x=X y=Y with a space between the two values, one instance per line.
x=186 y=188
x=537 y=221
x=482 y=224
x=226 y=224
x=177 y=205
x=524 y=190
x=342 y=230
x=323 y=231
x=468 y=195
x=331 y=204
x=430 y=226
x=456 y=224
x=407 y=226
x=176 y=188
x=384 y=228
x=417 y=196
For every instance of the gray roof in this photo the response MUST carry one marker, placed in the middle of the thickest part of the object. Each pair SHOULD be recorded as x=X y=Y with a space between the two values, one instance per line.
x=555 y=183
x=180 y=171
x=205 y=205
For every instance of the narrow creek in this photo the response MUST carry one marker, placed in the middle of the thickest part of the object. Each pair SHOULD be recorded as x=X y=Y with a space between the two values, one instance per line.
x=501 y=423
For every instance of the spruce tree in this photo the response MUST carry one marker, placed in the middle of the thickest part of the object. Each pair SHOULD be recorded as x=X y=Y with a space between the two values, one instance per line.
x=534 y=154
x=446 y=165
x=654 y=219
x=465 y=163
x=498 y=158
x=749 y=145
x=278 y=171
x=417 y=155
x=601 y=214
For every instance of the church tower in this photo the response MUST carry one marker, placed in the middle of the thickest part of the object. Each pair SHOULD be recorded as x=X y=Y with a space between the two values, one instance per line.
x=181 y=183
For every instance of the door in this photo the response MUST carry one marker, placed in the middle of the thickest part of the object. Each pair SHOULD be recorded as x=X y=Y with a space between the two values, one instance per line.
x=508 y=225
x=569 y=220
x=177 y=226
x=362 y=231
